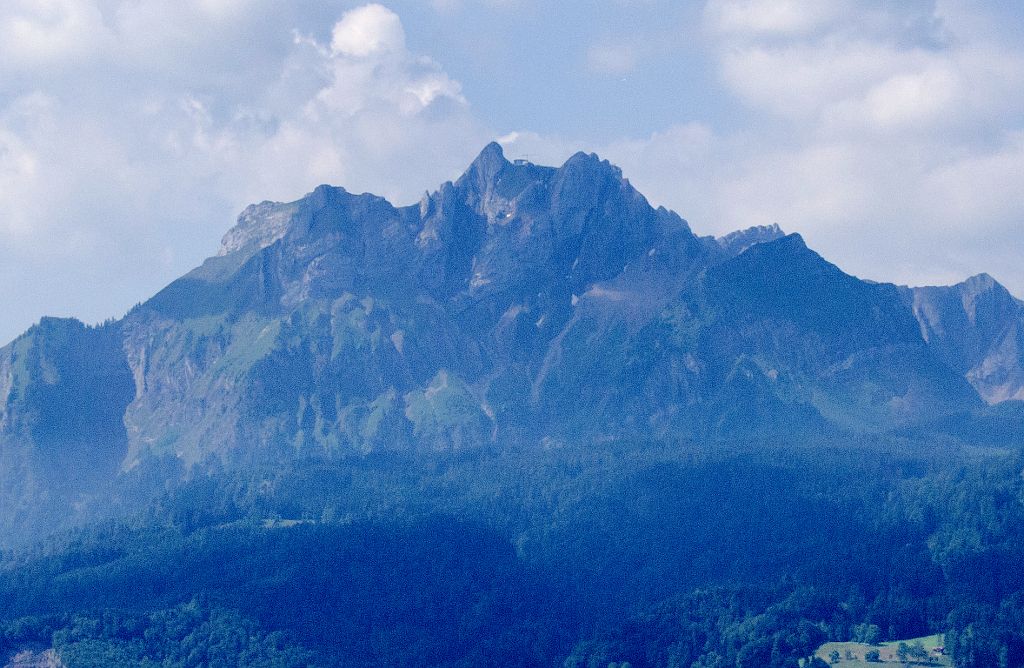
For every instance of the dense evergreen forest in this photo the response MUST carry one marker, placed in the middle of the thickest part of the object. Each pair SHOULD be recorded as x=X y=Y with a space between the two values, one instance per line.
x=640 y=554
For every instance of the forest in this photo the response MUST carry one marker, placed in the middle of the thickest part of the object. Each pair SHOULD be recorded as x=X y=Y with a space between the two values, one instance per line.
x=623 y=553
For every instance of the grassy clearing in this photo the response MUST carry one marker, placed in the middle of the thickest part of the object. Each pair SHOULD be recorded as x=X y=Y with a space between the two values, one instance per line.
x=887 y=652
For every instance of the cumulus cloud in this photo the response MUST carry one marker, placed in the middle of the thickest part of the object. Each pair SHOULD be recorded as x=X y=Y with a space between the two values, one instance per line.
x=368 y=30
x=376 y=115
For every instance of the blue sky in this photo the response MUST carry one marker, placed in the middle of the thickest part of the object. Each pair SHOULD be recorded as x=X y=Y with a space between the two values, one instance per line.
x=132 y=132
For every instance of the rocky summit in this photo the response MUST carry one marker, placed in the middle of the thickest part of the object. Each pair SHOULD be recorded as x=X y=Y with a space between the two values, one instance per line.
x=520 y=306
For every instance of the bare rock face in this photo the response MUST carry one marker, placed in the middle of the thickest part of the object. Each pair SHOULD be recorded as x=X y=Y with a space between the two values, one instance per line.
x=977 y=327
x=736 y=242
x=258 y=226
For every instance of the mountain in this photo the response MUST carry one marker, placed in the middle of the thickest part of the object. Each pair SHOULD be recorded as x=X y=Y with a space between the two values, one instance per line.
x=977 y=328
x=519 y=306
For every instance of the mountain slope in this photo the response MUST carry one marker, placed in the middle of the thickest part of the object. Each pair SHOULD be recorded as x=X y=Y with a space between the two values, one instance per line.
x=64 y=389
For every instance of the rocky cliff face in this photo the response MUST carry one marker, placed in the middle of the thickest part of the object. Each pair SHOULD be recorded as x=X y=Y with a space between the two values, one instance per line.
x=518 y=305
x=736 y=242
x=977 y=328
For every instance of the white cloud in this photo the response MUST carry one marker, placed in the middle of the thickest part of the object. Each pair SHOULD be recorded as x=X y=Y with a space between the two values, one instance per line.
x=34 y=32
x=368 y=30
x=800 y=80
x=981 y=190
x=873 y=85
x=914 y=97
x=771 y=17
x=895 y=67
x=376 y=115
x=18 y=171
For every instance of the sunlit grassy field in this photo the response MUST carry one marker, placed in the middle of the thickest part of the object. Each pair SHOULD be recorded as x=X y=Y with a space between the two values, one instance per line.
x=887 y=652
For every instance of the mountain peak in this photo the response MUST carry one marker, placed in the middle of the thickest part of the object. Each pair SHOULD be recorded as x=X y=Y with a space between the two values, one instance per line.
x=794 y=240
x=984 y=288
x=975 y=326
x=980 y=282
x=487 y=165
x=736 y=242
x=591 y=164
x=257 y=226
x=492 y=152
x=260 y=225
x=981 y=291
